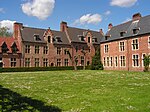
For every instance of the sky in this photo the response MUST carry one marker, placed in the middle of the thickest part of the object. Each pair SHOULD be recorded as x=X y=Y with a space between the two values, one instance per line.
x=87 y=14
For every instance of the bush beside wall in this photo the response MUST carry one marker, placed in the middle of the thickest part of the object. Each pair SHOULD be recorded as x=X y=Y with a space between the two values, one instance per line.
x=32 y=69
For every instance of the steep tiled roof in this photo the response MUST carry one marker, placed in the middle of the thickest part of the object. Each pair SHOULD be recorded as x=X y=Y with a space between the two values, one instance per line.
x=9 y=42
x=143 y=25
x=74 y=34
x=28 y=33
x=62 y=36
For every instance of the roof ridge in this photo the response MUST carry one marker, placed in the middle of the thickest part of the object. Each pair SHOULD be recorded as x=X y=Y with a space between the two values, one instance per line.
x=34 y=28
x=129 y=21
x=83 y=29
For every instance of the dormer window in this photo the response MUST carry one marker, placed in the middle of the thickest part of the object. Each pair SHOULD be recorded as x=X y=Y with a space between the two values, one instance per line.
x=14 y=48
x=106 y=37
x=58 y=39
x=122 y=33
x=94 y=40
x=37 y=37
x=81 y=38
x=135 y=31
x=4 y=48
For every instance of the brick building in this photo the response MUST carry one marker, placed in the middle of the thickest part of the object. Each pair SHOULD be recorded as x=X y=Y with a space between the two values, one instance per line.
x=124 y=46
x=45 y=47
x=10 y=52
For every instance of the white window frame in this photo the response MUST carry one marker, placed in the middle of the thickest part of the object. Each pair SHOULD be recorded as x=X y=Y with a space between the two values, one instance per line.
x=137 y=43
x=115 y=61
x=142 y=57
x=120 y=61
x=138 y=60
x=149 y=42
x=120 y=46
x=111 y=61
x=105 y=48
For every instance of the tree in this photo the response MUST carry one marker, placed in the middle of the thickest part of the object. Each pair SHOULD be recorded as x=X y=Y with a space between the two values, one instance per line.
x=74 y=60
x=84 y=53
x=96 y=62
x=146 y=63
x=4 y=32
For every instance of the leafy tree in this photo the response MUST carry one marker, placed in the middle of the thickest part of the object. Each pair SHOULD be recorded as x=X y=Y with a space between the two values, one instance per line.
x=4 y=32
x=74 y=60
x=146 y=63
x=96 y=62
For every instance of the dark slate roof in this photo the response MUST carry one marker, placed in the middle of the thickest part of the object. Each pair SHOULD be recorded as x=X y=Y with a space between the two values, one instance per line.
x=28 y=34
x=62 y=36
x=74 y=34
x=143 y=25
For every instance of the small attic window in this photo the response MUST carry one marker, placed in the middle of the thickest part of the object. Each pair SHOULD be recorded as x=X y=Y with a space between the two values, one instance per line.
x=135 y=31
x=37 y=37
x=122 y=33
x=58 y=39
x=14 y=48
x=4 y=48
x=94 y=39
x=81 y=37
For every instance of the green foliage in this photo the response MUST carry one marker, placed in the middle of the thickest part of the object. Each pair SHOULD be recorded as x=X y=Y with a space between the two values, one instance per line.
x=32 y=69
x=4 y=32
x=146 y=63
x=96 y=62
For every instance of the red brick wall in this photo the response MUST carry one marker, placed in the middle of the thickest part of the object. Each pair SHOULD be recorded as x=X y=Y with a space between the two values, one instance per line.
x=128 y=53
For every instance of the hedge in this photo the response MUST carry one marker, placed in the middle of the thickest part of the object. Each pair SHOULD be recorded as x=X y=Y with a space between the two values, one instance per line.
x=30 y=69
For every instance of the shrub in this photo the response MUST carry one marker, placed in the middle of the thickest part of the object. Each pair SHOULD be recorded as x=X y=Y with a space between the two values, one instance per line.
x=146 y=63
x=96 y=62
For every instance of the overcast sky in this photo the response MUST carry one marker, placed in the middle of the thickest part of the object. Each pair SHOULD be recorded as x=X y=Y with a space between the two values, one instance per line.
x=88 y=14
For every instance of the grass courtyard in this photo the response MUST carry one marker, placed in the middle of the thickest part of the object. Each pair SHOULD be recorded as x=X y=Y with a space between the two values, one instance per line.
x=75 y=91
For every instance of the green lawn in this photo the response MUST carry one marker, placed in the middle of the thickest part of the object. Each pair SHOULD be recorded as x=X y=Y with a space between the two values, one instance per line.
x=75 y=91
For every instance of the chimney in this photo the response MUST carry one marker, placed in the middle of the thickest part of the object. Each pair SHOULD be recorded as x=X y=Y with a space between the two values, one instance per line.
x=63 y=26
x=110 y=26
x=17 y=28
x=101 y=31
x=136 y=16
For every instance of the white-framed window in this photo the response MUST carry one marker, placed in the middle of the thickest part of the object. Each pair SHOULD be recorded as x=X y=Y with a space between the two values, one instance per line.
x=135 y=60
x=111 y=61
x=13 y=62
x=121 y=46
x=45 y=62
x=143 y=55
x=27 y=48
x=58 y=62
x=135 y=44
x=58 y=50
x=66 y=62
x=37 y=49
x=106 y=48
x=122 y=61
x=107 y=61
x=37 y=62
x=82 y=60
x=45 y=49
x=116 y=61
x=149 y=42
x=104 y=61
x=27 y=62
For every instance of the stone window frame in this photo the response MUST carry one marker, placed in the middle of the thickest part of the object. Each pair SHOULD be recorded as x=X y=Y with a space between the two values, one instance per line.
x=135 y=59
x=13 y=62
x=137 y=43
x=106 y=48
x=121 y=47
x=27 y=62
x=122 y=61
